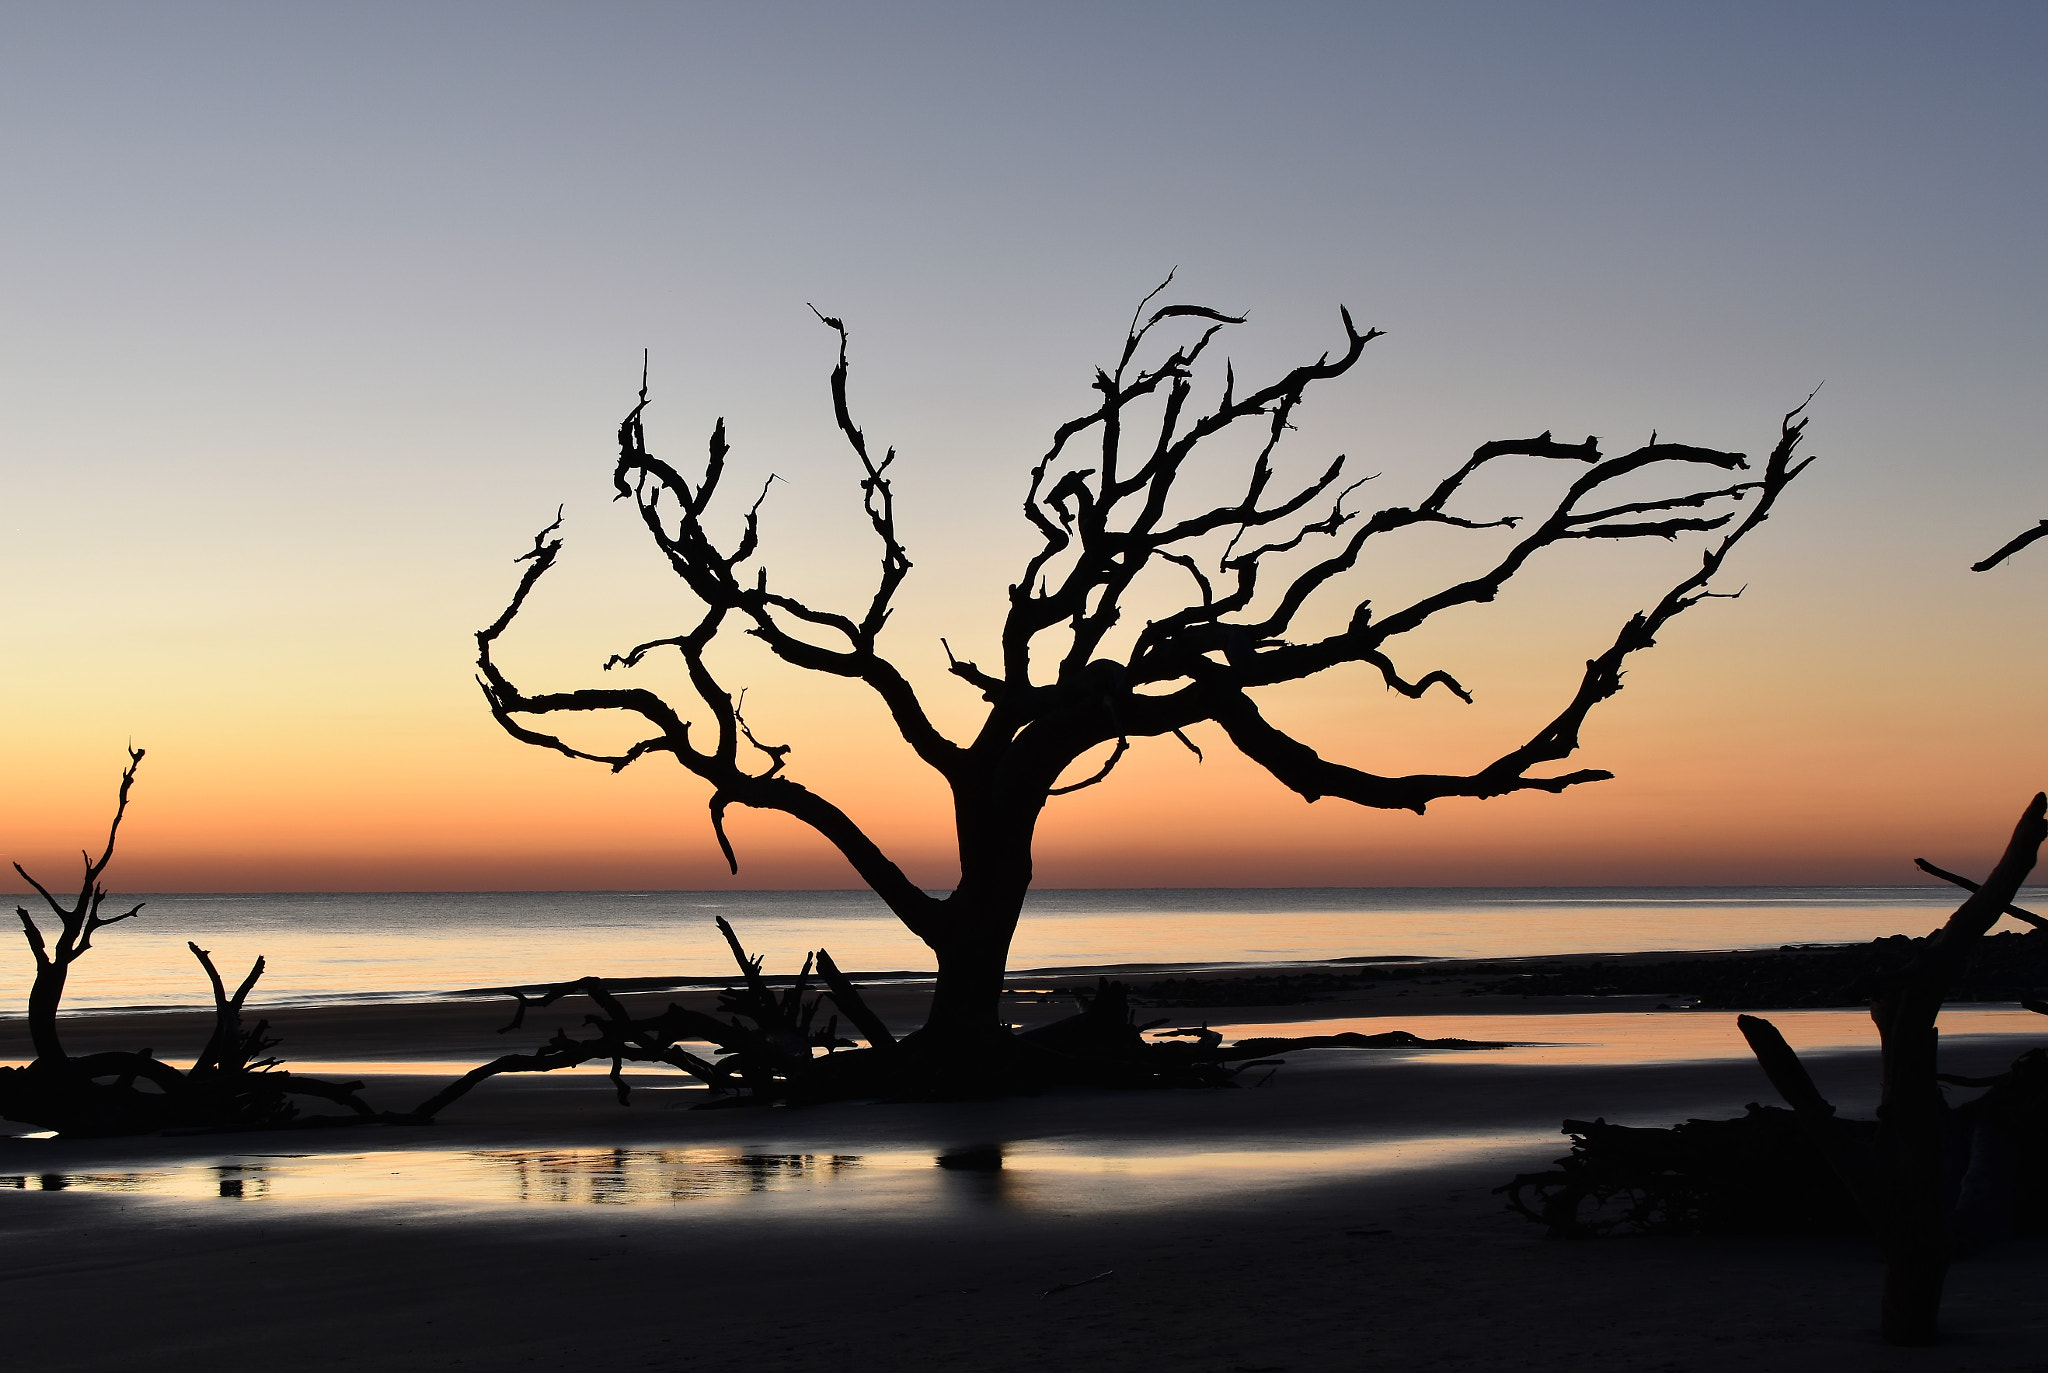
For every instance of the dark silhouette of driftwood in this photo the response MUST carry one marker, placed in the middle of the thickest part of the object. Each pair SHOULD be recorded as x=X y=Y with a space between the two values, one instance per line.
x=233 y=1083
x=766 y=1040
x=77 y=923
x=1756 y=1174
x=767 y=1048
x=2025 y=917
x=1764 y=1173
x=1114 y=528
x=1898 y=1178
x=1923 y=1179
x=1349 y=1039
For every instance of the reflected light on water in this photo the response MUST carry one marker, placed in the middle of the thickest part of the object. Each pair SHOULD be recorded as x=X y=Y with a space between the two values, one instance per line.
x=1027 y=1176
x=1627 y=1037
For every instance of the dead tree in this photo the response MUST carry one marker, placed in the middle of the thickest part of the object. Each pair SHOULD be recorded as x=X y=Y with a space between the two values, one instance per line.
x=1896 y=1172
x=232 y=1083
x=1072 y=679
x=77 y=923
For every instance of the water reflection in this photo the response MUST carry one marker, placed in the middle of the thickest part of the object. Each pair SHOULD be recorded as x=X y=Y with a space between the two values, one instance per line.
x=618 y=1177
x=1633 y=1037
x=575 y=1176
x=1029 y=1176
x=976 y=1175
x=242 y=1180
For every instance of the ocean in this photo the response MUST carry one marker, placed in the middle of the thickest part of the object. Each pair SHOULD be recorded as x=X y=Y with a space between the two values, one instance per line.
x=365 y=947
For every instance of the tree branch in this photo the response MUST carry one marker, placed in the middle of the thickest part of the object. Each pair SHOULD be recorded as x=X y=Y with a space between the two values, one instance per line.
x=2011 y=547
x=1108 y=766
x=2027 y=917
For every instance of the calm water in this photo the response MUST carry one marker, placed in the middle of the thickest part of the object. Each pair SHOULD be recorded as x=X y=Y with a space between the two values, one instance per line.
x=1617 y=1037
x=358 y=947
x=1041 y=1176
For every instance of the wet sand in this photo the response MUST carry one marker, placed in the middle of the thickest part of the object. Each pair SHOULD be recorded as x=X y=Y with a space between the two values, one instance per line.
x=1253 y=1229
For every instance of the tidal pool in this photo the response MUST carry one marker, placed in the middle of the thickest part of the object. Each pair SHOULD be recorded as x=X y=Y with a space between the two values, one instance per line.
x=1631 y=1037
x=1033 y=1176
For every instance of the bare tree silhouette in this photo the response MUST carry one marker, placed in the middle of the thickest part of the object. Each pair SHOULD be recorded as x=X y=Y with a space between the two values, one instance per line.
x=1065 y=686
x=77 y=923
x=232 y=1082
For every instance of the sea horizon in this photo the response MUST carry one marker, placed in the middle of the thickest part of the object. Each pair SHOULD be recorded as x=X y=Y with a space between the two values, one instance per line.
x=128 y=898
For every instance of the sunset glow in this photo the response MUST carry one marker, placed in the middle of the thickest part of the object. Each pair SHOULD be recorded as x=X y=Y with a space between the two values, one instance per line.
x=269 y=458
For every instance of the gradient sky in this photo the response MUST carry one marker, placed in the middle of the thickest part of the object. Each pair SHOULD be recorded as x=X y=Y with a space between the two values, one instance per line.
x=311 y=315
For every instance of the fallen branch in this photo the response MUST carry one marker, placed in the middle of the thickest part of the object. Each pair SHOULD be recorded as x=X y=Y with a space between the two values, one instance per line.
x=1057 y=1288
x=2025 y=916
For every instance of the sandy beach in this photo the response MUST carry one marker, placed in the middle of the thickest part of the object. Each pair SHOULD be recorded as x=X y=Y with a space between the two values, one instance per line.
x=1339 y=1217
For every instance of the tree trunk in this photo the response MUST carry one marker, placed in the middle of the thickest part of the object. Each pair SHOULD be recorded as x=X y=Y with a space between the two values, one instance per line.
x=966 y=1015
x=967 y=998
x=44 y=996
x=1913 y=1224
x=1913 y=1279
x=994 y=830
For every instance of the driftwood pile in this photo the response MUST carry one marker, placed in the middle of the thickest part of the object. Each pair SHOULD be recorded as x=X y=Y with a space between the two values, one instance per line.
x=768 y=1047
x=1763 y=1174
x=765 y=1047
x=234 y=1083
x=1753 y=1175
x=1926 y=1181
